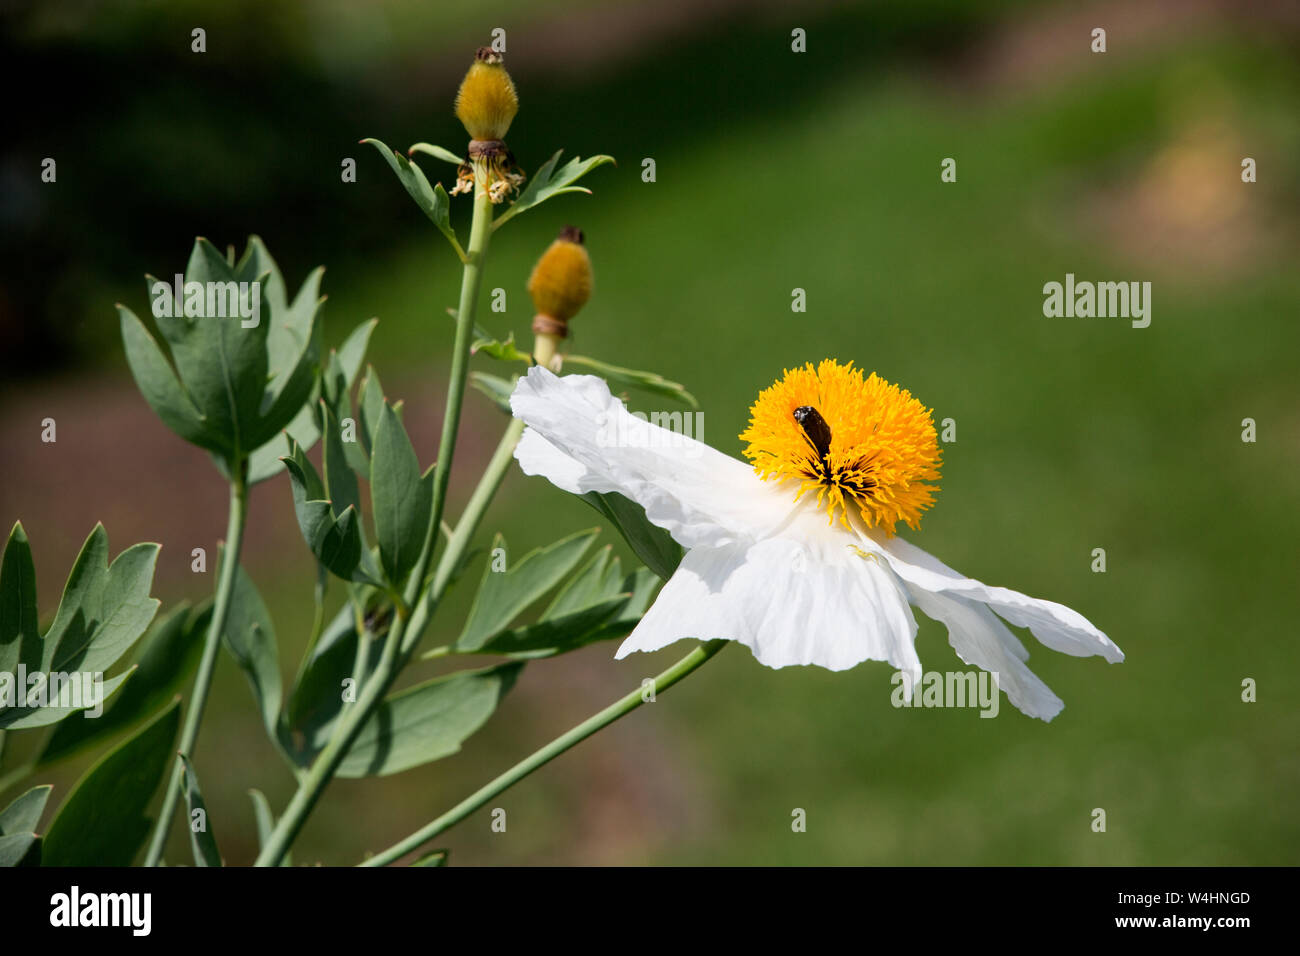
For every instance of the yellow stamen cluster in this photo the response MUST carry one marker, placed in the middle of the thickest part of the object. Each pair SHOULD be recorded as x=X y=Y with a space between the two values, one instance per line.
x=881 y=452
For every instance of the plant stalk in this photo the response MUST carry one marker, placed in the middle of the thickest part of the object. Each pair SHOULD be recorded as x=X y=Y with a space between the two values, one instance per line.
x=353 y=719
x=207 y=663
x=620 y=707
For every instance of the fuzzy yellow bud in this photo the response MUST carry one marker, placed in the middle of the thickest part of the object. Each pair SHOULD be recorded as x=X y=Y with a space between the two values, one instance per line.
x=487 y=101
x=561 y=281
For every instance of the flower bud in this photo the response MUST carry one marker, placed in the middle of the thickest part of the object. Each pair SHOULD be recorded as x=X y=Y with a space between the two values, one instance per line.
x=561 y=282
x=487 y=101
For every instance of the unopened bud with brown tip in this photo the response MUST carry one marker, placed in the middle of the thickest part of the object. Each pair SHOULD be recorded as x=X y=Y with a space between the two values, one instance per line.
x=560 y=286
x=487 y=101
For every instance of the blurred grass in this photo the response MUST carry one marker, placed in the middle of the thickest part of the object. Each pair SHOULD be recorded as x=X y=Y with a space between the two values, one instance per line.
x=1073 y=434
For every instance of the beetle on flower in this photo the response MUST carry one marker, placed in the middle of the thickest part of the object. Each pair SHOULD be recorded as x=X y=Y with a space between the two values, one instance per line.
x=796 y=556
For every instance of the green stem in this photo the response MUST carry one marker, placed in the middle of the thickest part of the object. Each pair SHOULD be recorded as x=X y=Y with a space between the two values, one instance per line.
x=353 y=719
x=208 y=663
x=620 y=707
x=311 y=786
x=365 y=637
x=479 y=234
x=459 y=541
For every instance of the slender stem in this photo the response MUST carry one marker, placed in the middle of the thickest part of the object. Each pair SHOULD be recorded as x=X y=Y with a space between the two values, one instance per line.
x=327 y=762
x=364 y=639
x=479 y=235
x=403 y=637
x=208 y=662
x=459 y=541
x=317 y=621
x=620 y=707
x=353 y=719
x=544 y=347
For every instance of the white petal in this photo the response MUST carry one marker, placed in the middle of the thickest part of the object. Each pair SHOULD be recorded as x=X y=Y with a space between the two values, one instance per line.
x=799 y=599
x=1055 y=625
x=980 y=639
x=583 y=439
x=537 y=456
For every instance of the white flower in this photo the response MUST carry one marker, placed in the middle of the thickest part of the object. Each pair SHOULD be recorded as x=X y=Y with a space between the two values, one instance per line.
x=799 y=579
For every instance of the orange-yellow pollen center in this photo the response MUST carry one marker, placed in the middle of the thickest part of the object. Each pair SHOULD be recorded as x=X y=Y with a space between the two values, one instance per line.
x=859 y=442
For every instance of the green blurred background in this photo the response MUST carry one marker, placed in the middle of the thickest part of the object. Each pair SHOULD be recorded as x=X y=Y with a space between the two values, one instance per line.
x=775 y=170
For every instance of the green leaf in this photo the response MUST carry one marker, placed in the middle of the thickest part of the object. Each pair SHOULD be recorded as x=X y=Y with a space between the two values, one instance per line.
x=162 y=389
x=104 y=611
x=202 y=841
x=371 y=407
x=105 y=608
x=335 y=540
x=353 y=350
x=401 y=499
x=20 y=849
x=427 y=722
x=171 y=650
x=495 y=388
x=437 y=152
x=548 y=183
x=20 y=636
x=503 y=595
x=432 y=200
x=79 y=696
x=304 y=430
x=340 y=478
x=317 y=696
x=597 y=580
x=558 y=635
x=236 y=386
x=641 y=584
x=505 y=351
x=436 y=858
x=24 y=814
x=223 y=363
x=631 y=378
x=265 y=462
x=103 y=822
x=250 y=638
x=265 y=822
x=292 y=337
x=652 y=544
x=596 y=604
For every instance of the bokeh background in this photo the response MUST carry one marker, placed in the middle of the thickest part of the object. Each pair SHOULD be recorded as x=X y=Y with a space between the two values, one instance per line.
x=775 y=170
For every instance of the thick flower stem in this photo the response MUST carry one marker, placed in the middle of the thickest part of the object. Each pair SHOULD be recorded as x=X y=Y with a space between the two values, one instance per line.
x=620 y=707
x=406 y=628
x=207 y=664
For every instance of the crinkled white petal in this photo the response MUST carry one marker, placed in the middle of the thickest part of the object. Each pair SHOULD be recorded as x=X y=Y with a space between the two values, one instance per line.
x=772 y=575
x=801 y=598
x=1055 y=625
x=982 y=640
x=583 y=439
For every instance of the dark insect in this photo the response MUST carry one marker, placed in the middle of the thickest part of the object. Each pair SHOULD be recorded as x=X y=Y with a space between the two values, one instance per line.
x=815 y=428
